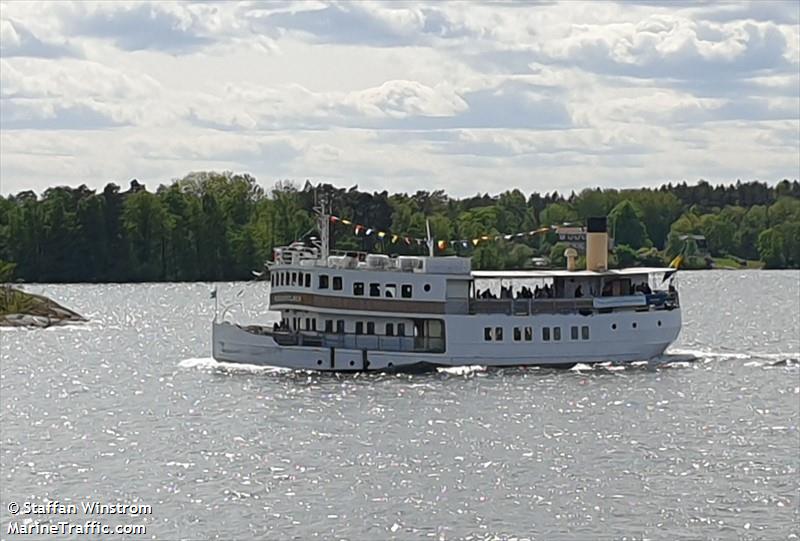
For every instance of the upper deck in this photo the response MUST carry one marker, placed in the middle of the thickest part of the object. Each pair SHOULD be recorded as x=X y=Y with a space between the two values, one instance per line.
x=380 y=284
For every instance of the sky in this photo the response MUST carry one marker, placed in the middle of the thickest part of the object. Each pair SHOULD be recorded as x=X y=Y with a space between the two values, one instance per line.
x=400 y=96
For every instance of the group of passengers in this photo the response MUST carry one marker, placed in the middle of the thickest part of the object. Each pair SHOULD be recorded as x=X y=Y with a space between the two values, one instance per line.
x=641 y=288
x=546 y=292
x=281 y=325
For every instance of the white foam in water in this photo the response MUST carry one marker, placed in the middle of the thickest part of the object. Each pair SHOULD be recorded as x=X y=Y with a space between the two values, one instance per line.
x=699 y=353
x=198 y=362
x=461 y=370
x=209 y=363
x=581 y=366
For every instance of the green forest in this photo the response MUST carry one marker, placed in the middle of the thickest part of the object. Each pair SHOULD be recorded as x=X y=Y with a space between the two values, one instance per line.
x=222 y=226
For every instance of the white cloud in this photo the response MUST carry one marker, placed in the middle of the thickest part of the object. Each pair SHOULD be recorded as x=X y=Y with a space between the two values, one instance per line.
x=467 y=97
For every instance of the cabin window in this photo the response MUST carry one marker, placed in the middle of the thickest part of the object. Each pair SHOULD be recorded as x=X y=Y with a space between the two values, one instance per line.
x=556 y=333
x=328 y=325
x=313 y=324
x=517 y=334
x=546 y=334
x=323 y=281
x=573 y=333
x=528 y=334
x=391 y=291
x=584 y=333
x=337 y=283
x=498 y=334
x=308 y=323
x=340 y=326
x=358 y=288
x=308 y=279
x=280 y=278
x=401 y=329
x=294 y=278
x=370 y=327
x=487 y=334
x=633 y=324
x=389 y=329
x=406 y=291
x=374 y=290
x=359 y=327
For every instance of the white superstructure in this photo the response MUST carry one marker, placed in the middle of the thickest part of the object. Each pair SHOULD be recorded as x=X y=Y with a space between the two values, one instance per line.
x=354 y=311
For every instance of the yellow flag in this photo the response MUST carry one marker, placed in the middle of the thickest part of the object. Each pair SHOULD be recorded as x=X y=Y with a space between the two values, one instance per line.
x=676 y=263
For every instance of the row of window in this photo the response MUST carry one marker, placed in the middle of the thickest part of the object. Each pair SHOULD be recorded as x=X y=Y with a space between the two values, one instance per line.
x=495 y=334
x=303 y=279
x=299 y=279
x=367 y=327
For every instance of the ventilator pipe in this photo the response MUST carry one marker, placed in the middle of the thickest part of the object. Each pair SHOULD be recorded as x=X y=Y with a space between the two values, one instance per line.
x=572 y=256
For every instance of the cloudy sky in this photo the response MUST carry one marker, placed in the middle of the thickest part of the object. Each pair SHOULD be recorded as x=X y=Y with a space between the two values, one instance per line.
x=402 y=96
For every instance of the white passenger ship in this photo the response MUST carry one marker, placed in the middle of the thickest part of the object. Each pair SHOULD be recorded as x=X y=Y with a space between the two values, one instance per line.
x=357 y=312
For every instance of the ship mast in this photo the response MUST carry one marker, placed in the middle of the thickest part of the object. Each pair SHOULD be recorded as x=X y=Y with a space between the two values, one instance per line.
x=323 y=224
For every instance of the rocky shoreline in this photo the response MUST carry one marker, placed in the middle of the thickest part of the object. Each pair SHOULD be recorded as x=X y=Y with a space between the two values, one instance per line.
x=22 y=309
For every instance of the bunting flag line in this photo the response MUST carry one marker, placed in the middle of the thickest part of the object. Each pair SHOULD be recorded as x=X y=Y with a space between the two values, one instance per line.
x=441 y=244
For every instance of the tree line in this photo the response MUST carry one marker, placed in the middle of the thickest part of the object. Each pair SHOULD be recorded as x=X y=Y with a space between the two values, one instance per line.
x=222 y=226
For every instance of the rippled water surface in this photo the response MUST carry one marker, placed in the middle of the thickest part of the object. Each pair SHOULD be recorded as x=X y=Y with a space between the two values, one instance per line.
x=129 y=408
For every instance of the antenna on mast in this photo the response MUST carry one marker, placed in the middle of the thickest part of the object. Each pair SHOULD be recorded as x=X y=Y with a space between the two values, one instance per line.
x=429 y=241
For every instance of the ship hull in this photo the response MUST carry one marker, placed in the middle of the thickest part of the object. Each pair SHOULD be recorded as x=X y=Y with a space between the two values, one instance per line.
x=618 y=338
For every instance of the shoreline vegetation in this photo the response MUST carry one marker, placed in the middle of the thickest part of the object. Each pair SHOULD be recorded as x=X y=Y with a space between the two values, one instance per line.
x=211 y=226
x=22 y=309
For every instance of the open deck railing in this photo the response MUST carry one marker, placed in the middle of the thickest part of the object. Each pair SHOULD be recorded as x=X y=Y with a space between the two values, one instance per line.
x=523 y=307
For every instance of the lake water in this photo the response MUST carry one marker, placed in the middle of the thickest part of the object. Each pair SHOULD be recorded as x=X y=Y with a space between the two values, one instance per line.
x=130 y=409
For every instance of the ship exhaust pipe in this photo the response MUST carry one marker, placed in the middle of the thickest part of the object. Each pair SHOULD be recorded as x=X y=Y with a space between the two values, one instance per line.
x=597 y=244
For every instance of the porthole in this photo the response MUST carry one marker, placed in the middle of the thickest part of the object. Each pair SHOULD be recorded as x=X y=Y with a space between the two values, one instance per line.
x=633 y=324
x=427 y=287
x=352 y=363
x=659 y=322
x=391 y=365
x=319 y=362
x=613 y=326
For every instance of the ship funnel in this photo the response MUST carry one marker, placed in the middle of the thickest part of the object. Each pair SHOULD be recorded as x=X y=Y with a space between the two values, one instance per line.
x=597 y=244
